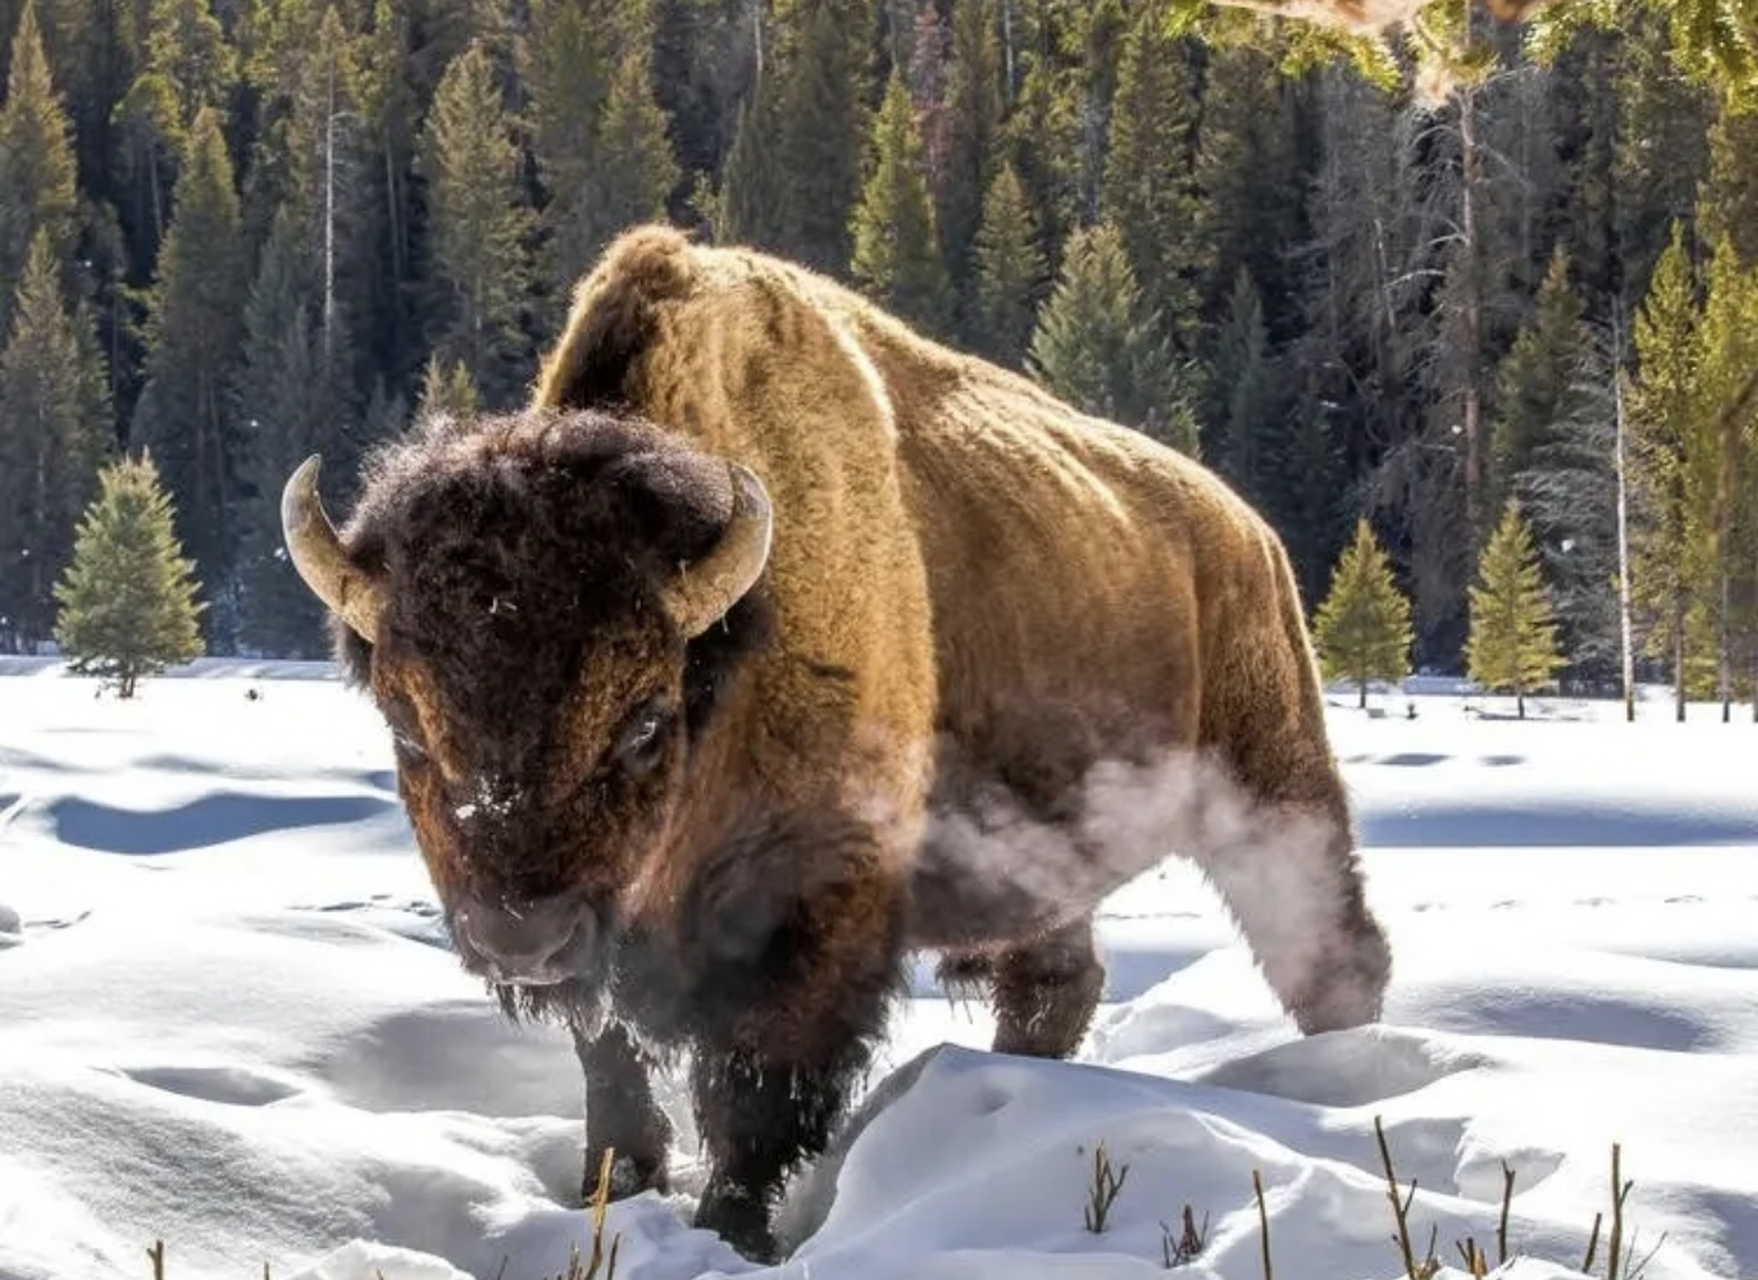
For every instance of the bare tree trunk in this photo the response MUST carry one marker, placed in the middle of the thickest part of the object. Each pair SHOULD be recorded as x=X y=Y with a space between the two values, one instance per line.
x=757 y=41
x=1679 y=654
x=1473 y=353
x=330 y=215
x=1007 y=49
x=1624 y=626
x=1724 y=675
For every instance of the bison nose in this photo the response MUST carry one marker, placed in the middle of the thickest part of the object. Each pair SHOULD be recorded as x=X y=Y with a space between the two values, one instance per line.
x=530 y=942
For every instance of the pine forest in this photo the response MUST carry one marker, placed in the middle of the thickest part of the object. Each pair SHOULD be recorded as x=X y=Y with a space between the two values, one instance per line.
x=1392 y=288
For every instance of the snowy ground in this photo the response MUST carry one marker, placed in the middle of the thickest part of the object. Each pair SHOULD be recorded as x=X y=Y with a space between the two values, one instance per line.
x=228 y=1020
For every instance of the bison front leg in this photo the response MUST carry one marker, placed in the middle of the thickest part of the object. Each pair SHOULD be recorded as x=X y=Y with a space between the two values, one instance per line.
x=621 y=1115
x=803 y=926
x=758 y=1120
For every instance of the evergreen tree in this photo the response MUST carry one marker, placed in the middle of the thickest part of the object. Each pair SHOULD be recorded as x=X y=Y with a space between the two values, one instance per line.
x=1011 y=273
x=128 y=606
x=634 y=172
x=1150 y=189
x=1718 y=462
x=565 y=63
x=1362 y=627
x=1662 y=151
x=1662 y=413
x=54 y=424
x=479 y=226
x=1536 y=380
x=897 y=258
x=820 y=123
x=1094 y=344
x=446 y=388
x=1513 y=640
x=37 y=190
x=288 y=411
x=1246 y=161
x=1246 y=428
x=752 y=206
x=187 y=67
x=186 y=411
x=1568 y=493
x=973 y=122
x=600 y=137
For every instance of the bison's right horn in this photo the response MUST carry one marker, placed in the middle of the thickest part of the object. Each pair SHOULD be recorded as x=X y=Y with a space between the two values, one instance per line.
x=703 y=592
x=317 y=553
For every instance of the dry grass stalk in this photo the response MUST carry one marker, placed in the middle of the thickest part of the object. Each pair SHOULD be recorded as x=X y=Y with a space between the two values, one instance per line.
x=1185 y=1244
x=1107 y=1186
x=1502 y=1225
x=1430 y=1264
x=1263 y=1221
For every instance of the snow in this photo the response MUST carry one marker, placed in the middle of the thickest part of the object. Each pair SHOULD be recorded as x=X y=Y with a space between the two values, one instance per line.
x=230 y=1020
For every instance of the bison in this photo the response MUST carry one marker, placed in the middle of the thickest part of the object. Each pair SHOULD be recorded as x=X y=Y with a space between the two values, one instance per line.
x=774 y=642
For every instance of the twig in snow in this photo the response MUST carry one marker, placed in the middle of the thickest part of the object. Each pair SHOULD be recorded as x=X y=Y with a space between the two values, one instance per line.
x=1592 y=1244
x=156 y=1251
x=1634 y=1267
x=1502 y=1226
x=1263 y=1221
x=1620 y=1191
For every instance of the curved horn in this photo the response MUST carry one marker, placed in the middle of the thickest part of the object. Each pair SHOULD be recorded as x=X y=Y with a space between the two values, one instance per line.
x=702 y=593
x=317 y=553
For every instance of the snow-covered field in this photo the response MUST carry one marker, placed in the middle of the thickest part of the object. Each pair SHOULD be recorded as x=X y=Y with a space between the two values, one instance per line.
x=229 y=1020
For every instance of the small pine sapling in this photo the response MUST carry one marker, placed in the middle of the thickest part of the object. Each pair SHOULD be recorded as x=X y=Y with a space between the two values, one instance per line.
x=128 y=606
x=1362 y=628
x=1512 y=646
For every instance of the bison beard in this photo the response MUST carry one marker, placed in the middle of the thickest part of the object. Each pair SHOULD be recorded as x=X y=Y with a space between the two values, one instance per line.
x=998 y=659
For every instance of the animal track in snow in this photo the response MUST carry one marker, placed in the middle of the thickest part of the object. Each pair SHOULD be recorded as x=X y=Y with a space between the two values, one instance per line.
x=1344 y=1068
x=228 y=1085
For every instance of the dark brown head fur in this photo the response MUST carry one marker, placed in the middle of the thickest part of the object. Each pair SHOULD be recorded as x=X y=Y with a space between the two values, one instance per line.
x=541 y=700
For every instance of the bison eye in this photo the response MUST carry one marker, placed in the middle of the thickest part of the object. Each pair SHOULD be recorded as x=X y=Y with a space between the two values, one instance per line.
x=641 y=741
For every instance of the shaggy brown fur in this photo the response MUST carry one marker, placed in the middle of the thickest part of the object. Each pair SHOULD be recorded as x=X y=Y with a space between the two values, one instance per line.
x=1003 y=657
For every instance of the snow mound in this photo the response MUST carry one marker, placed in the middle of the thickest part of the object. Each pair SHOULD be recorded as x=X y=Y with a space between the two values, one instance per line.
x=230 y=1019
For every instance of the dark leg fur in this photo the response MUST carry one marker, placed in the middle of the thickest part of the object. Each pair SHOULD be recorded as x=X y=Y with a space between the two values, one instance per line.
x=788 y=953
x=758 y=1121
x=621 y=1115
x=1046 y=992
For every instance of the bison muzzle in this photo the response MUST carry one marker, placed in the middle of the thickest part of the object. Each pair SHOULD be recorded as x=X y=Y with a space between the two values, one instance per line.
x=773 y=642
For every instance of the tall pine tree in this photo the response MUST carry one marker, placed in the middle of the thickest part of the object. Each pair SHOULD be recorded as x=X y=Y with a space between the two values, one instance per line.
x=186 y=414
x=37 y=191
x=1661 y=424
x=54 y=432
x=479 y=225
x=1096 y=345
x=897 y=259
x=1011 y=273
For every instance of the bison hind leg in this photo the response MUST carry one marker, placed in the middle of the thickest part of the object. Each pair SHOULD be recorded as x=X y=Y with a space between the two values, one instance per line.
x=1044 y=991
x=1296 y=891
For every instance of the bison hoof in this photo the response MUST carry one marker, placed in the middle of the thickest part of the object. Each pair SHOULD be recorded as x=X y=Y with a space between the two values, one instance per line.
x=741 y=1220
x=629 y=1176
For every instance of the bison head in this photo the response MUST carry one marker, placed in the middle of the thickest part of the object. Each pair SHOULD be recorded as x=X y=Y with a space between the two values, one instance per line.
x=543 y=607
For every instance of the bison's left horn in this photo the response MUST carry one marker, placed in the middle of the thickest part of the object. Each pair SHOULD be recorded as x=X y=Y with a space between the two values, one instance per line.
x=703 y=592
x=317 y=553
